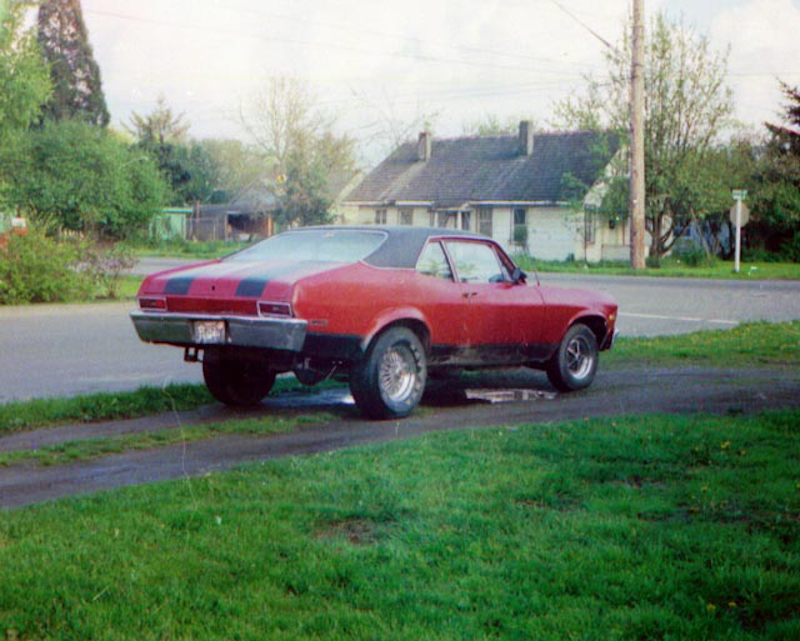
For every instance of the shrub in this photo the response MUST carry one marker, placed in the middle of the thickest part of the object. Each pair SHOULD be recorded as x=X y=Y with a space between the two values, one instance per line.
x=104 y=267
x=693 y=256
x=790 y=249
x=761 y=256
x=38 y=269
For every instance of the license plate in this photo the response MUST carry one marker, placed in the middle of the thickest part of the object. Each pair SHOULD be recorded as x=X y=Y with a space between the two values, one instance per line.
x=209 y=332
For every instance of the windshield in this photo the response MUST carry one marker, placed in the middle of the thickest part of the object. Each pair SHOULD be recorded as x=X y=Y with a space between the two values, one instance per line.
x=323 y=245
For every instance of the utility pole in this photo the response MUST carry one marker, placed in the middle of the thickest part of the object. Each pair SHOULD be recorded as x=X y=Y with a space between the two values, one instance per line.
x=637 y=202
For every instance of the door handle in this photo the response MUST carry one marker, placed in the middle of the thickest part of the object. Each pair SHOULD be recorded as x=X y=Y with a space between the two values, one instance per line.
x=469 y=294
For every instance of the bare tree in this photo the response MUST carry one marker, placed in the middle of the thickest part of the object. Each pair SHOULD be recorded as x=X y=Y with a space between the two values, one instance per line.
x=387 y=129
x=688 y=107
x=305 y=158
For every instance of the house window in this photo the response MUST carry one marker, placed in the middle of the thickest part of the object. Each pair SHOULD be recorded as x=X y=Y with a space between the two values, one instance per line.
x=485 y=221
x=520 y=229
x=380 y=216
x=446 y=220
x=431 y=218
x=406 y=216
x=466 y=220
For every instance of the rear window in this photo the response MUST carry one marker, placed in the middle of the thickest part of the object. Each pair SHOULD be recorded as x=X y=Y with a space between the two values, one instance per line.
x=322 y=245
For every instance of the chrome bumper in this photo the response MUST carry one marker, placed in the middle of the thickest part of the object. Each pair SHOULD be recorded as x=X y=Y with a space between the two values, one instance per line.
x=178 y=329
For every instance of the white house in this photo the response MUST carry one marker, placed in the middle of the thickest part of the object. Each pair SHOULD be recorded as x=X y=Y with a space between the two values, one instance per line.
x=514 y=188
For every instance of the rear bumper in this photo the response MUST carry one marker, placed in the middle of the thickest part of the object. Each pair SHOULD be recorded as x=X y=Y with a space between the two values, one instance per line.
x=178 y=329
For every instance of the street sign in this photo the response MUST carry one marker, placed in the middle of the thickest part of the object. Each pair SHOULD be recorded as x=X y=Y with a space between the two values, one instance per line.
x=740 y=214
x=744 y=214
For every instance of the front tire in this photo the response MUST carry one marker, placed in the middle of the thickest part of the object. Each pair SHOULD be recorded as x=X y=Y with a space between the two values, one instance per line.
x=390 y=381
x=574 y=365
x=238 y=383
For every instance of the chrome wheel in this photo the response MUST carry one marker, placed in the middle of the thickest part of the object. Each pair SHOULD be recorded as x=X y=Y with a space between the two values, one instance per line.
x=580 y=357
x=390 y=380
x=574 y=364
x=397 y=374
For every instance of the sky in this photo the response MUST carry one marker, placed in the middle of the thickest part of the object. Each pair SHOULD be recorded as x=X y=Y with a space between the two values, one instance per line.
x=379 y=66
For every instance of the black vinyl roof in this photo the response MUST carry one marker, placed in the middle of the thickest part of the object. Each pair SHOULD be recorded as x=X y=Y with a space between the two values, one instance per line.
x=403 y=244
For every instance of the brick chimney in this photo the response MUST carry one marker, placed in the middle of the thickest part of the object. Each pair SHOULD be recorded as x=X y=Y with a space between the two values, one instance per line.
x=424 y=146
x=525 y=138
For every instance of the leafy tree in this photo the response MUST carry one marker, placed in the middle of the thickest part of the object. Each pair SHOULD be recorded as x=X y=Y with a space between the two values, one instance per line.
x=163 y=135
x=77 y=89
x=160 y=126
x=24 y=78
x=73 y=175
x=24 y=86
x=304 y=158
x=218 y=170
x=688 y=107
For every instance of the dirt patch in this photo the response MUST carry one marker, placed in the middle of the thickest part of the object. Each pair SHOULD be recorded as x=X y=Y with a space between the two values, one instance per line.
x=446 y=407
x=357 y=531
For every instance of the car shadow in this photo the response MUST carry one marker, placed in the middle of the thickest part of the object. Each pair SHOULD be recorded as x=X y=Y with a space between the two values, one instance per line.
x=457 y=389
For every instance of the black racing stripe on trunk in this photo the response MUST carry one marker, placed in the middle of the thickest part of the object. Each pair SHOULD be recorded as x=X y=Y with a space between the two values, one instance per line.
x=179 y=285
x=253 y=286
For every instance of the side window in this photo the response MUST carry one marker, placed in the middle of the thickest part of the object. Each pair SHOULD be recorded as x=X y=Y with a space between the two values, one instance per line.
x=433 y=262
x=476 y=262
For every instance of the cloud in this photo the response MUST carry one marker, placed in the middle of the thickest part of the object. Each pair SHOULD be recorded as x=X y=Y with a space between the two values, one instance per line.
x=374 y=60
x=764 y=47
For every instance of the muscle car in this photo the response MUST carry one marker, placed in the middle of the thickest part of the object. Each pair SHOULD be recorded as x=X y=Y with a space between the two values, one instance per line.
x=382 y=307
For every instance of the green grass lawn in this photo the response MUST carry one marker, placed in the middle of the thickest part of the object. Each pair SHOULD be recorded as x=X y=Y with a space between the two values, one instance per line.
x=630 y=528
x=190 y=249
x=747 y=345
x=669 y=268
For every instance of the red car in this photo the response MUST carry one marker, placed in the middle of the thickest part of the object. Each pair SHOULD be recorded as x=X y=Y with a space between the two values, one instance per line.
x=382 y=307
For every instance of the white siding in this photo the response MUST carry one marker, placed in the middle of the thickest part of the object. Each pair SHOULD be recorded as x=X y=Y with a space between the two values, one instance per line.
x=552 y=233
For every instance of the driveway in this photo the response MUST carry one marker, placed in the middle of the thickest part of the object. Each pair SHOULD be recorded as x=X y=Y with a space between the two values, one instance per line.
x=631 y=391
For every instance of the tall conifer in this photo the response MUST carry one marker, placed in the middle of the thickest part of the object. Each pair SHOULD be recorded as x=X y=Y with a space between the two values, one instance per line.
x=77 y=89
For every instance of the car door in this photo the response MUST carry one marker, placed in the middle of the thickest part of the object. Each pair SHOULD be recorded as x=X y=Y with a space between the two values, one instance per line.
x=504 y=318
x=441 y=299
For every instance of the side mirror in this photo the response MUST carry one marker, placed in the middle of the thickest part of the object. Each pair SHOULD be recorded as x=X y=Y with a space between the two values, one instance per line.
x=518 y=276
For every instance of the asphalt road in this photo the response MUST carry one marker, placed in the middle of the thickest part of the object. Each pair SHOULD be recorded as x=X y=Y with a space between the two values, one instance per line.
x=63 y=350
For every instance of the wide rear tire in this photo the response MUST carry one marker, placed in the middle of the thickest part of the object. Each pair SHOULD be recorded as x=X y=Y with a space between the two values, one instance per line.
x=574 y=365
x=238 y=383
x=390 y=381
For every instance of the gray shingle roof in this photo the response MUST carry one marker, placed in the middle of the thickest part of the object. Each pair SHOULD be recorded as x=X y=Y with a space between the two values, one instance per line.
x=489 y=169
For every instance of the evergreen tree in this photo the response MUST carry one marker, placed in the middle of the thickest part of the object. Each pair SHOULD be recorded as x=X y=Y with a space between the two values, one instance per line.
x=776 y=195
x=77 y=90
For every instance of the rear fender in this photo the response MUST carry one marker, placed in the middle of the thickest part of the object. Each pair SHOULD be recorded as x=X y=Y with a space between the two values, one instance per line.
x=409 y=316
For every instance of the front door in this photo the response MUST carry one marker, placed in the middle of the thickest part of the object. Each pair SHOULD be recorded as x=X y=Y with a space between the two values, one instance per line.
x=504 y=319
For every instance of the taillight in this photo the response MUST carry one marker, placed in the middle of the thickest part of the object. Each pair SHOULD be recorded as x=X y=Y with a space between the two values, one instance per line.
x=151 y=304
x=266 y=308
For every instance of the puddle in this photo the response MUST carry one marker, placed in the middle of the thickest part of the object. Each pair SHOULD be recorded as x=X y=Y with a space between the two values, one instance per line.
x=509 y=395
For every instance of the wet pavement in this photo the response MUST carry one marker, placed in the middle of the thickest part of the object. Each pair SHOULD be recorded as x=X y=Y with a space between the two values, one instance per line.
x=489 y=400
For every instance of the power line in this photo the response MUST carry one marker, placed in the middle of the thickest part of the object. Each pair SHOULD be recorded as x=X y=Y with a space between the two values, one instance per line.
x=583 y=24
x=350 y=29
x=300 y=41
